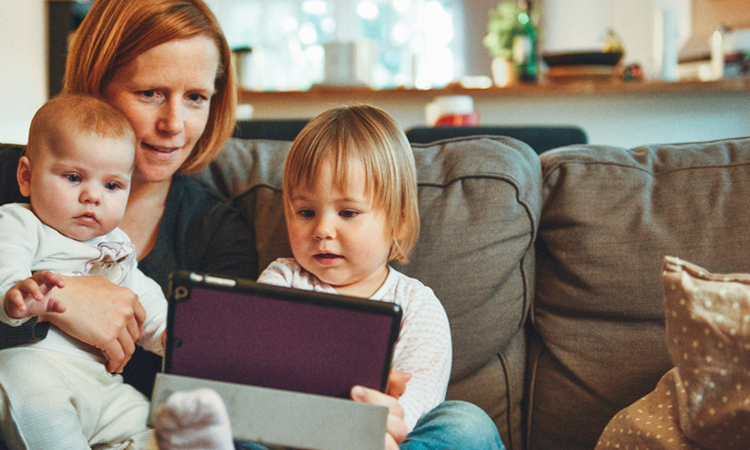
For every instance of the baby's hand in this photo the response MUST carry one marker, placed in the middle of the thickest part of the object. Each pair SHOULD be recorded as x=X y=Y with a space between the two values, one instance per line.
x=30 y=297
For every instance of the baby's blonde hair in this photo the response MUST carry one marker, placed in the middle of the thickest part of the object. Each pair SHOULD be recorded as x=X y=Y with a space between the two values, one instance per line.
x=75 y=113
x=364 y=134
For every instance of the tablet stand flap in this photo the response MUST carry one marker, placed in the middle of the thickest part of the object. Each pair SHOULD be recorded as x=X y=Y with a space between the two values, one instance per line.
x=286 y=418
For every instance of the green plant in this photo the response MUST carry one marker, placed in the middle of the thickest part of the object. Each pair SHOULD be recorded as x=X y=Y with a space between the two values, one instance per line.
x=506 y=22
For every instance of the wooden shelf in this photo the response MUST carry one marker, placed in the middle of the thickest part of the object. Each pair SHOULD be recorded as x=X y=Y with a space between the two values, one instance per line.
x=544 y=88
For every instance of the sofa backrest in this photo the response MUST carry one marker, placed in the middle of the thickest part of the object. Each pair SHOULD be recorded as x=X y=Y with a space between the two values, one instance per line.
x=9 y=192
x=601 y=220
x=479 y=202
x=609 y=217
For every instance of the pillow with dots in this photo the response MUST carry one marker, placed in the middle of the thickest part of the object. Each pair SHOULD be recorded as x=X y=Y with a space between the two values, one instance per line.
x=704 y=401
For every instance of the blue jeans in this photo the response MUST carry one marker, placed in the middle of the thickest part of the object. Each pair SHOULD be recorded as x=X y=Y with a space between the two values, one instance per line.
x=454 y=425
x=451 y=425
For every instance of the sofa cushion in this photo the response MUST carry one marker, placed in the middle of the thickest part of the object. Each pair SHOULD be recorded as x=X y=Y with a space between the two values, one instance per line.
x=609 y=217
x=249 y=172
x=479 y=201
x=708 y=335
x=704 y=401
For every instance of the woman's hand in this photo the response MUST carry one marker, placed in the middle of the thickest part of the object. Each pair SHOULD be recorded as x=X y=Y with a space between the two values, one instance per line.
x=395 y=428
x=102 y=314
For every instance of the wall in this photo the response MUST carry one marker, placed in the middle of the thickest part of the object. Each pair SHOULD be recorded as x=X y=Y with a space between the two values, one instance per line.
x=582 y=25
x=707 y=14
x=631 y=120
x=624 y=119
x=478 y=60
x=23 y=78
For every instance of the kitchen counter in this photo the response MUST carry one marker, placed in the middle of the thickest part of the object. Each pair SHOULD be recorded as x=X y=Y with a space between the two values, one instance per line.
x=616 y=112
x=544 y=88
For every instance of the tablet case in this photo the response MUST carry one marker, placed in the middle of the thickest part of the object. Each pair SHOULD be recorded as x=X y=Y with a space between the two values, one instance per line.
x=284 y=419
x=239 y=331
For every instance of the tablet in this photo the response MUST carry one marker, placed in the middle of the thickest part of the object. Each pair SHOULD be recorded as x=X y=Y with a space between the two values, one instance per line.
x=240 y=331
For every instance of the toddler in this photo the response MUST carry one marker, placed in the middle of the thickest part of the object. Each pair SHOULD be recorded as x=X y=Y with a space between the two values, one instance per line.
x=350 y=200
x=57 y=393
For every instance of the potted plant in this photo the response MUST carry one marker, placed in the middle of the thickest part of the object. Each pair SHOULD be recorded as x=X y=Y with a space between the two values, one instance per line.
x=511 y=39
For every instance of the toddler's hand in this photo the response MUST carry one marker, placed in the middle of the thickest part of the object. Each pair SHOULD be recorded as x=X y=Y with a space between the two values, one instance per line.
x=396 y=429
x=397 y=383
x=31 y=297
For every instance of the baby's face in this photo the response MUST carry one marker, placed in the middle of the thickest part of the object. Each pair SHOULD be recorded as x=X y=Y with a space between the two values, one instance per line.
x=80 y=187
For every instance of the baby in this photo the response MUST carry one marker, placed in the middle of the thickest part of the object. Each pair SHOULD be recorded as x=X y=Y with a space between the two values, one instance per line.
x=57 y=393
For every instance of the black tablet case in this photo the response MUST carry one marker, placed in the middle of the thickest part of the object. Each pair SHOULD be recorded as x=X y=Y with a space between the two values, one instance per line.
x=239 y=331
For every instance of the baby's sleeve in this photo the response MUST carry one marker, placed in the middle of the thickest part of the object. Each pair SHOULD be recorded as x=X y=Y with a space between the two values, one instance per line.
x=18 y=238
x=153 y=301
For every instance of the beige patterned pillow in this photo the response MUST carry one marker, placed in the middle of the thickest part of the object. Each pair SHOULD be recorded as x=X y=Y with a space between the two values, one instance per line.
x=704 y=401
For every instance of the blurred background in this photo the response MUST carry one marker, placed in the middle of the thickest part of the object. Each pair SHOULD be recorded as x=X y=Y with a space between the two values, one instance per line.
x=297 y=57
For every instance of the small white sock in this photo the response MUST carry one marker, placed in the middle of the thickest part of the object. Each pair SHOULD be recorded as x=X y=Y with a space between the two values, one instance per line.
x=193 y=420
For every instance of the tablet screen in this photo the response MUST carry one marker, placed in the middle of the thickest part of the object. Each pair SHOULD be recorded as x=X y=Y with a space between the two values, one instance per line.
x=243 y=332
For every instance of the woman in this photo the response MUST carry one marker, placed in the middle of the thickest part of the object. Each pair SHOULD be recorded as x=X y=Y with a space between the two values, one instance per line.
x=166 y=65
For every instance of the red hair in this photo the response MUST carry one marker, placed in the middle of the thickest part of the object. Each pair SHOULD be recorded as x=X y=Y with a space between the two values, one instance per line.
x=115 y=32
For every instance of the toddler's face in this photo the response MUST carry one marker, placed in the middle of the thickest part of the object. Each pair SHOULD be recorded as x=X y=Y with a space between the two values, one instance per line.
x=80 y=187
x=337 y=233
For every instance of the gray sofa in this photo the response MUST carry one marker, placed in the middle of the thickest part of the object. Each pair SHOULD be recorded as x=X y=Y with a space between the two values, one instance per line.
x=548 y=266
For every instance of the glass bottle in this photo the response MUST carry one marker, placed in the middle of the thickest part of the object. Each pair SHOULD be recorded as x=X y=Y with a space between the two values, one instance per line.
x=525 y=53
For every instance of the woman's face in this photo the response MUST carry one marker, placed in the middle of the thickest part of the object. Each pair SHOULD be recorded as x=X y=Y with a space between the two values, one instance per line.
x=165 y=93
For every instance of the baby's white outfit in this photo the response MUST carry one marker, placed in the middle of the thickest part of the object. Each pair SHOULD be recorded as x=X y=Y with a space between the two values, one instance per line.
x=57 y=393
